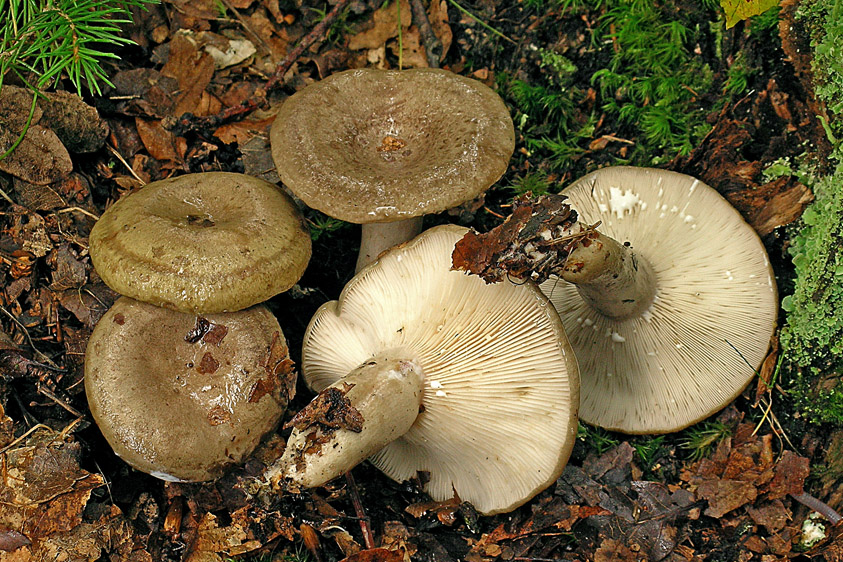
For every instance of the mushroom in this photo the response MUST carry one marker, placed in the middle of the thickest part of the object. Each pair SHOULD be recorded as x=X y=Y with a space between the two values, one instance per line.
x=208 y=243
x=430 y=370
x=669 y=304
x=189 y=413
x=382 y=148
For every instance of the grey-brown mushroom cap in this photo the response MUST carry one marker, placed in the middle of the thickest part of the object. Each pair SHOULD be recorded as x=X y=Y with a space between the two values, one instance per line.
x=500 y=398
x=208 y=243
x=373 y=145
x=709 y=326
x=181 y=405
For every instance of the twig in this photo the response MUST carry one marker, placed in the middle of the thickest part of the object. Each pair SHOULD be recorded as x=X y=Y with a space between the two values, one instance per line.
x=78 y=210
x=247 y=27
x=281 y=69
x=481 y=22
x=7 y=198
x=14 y=319
x=820 y=507
x=432 y=44
x=123 y=161
x=29 y=432
x=368 y=538
x=55 y=398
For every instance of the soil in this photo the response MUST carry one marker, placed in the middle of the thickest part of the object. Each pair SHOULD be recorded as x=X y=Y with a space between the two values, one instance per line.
x=191 y=96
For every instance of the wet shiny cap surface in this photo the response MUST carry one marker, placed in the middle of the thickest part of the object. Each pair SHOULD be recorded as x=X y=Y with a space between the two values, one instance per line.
x=207 y=243
x=184 y=397
x=371 y=145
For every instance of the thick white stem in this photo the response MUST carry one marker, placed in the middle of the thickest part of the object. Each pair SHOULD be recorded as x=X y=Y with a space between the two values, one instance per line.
x=611 y=277
x=386 y=391
x=377 y=237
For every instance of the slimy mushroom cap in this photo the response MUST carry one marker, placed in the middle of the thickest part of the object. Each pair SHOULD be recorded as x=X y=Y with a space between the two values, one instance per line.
x=208 y=243
x=371 y=145
x=184 y=397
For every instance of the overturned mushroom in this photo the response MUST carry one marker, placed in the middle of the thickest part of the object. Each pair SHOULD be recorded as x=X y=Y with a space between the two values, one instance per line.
x=669 y=303
x=184 y=397
x=430 y=370
x=382 y=148
x=208 y=243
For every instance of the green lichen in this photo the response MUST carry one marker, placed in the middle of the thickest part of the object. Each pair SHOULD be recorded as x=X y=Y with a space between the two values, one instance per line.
x=812 y=340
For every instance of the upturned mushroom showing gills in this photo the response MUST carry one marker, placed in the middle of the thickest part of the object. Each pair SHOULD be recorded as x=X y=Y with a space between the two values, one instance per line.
x=208 y=243
x=424 y=369
x=184 y=397
x=669 y=302
x=381 y=148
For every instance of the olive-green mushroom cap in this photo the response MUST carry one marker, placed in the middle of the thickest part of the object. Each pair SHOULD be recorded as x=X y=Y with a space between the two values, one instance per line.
x=184 y=397
x=208 y=243
x=371 y=145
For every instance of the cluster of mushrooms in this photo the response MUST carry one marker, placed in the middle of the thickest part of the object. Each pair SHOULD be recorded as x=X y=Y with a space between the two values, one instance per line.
x=668 y=305
x=187 y=371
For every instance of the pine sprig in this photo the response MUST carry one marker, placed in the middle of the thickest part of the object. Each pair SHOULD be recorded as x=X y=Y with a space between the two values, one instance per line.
x=43 y=40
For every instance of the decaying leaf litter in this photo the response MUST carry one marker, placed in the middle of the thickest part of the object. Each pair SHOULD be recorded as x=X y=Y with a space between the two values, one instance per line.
x=193 y=97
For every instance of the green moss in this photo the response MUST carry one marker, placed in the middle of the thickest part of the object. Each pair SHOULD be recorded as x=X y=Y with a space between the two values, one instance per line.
x=812 y=340
x=652 y=80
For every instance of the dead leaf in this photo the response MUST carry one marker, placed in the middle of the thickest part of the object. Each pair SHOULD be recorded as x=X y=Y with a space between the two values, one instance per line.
x=40 y=158
x=789 y=475
x=726 y=495
x=384 y=26
x=376 y=555
x=68 y=271
x=329 y=410
x=437 y=13
x=192 y=68
x=158 y=141
x=772 y=515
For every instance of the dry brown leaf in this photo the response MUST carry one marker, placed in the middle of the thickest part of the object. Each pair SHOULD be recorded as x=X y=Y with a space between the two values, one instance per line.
x=384 y=27
x=40 y=158
x=159 y=142
x=242 y=131
x=438 y=15
x=192 y=68
x=376 y=555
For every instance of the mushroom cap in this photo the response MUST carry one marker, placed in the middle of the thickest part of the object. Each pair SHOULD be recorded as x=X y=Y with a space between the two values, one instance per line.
x=185 y=411
x=698 y=345
x=500 y=396
x=373 y=145
x=208 y=243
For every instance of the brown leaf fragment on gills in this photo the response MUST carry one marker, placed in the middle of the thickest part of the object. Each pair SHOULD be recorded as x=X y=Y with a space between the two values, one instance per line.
x=208 y=365
x=329 y=410
x=215 y=335
x=202 y=327
x=530 y=244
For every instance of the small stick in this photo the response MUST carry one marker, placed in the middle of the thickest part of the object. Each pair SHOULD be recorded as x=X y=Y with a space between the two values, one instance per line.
x=432 y=44
x=247 y=27
x=368 y=538
x=281 y=69
x=55 y=398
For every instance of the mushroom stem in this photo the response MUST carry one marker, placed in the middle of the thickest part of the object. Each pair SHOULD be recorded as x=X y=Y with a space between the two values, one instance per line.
x=377 y=237
x=610 y=276
x=351 y=420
